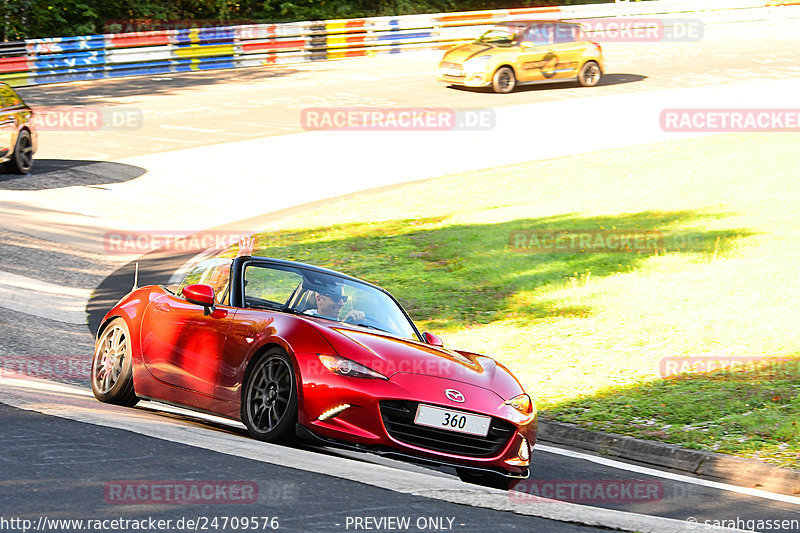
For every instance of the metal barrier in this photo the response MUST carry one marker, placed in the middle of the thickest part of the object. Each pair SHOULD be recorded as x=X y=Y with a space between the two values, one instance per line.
x=61 y=59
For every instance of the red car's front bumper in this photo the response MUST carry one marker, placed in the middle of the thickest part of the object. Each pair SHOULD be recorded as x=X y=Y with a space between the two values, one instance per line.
x=379 y=417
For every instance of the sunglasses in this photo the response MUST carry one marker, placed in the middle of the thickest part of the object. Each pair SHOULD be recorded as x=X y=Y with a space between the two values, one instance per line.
x=334 y=297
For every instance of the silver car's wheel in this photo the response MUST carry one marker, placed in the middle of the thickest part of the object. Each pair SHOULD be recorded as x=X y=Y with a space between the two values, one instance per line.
x=112 y=375
x=590 y=74
x=504 y=80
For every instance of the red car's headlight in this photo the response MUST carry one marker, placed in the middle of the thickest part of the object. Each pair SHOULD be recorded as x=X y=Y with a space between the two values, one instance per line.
x=522 y=403
x=346 y=367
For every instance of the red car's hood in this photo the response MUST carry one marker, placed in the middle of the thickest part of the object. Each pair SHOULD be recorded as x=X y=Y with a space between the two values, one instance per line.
x=391 y=355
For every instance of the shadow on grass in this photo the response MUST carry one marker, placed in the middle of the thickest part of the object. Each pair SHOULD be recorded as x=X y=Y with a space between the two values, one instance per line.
x=749 y=407
x=451 y=275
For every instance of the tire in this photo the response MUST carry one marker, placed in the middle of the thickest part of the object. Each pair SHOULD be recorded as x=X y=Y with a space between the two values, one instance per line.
x=112 y=367
x=269 y=398
x=504 y=80
x=590 y=74
x=495 y=481
x=21 y=161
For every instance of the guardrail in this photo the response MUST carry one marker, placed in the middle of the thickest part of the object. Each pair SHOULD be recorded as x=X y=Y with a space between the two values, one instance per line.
x=61 y=59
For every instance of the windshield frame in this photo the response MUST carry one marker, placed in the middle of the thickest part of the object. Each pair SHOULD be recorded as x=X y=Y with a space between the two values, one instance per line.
x=515 y=29
x=302 y=268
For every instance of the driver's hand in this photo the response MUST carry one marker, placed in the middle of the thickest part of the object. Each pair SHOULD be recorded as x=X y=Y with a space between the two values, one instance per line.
x=354 y=316
x=246 y=245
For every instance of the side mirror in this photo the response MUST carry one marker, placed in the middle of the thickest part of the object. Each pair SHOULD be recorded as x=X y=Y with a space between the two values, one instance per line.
x=432 y=339
x=199 y=294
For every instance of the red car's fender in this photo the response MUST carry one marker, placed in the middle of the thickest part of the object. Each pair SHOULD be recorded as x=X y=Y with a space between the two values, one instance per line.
x=253 y=332
x=131 y=309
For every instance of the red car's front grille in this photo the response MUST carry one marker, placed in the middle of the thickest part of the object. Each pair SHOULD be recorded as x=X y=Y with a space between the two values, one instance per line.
x=398 y=417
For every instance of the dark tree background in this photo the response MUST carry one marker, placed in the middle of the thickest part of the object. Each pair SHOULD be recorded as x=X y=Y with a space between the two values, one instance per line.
x=60 y=18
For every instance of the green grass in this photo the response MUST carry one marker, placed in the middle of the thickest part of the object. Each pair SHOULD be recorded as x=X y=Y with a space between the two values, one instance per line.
x=585 y=331
x=752 y=413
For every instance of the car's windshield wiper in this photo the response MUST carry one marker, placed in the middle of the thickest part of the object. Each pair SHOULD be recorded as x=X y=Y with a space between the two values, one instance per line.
x=266 y=307
x=370 y=326
x=258 y=303
x=166 y=288
x=276 y=307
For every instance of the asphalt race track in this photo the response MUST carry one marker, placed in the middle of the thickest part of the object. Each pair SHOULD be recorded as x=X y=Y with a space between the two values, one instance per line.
x=201 y=144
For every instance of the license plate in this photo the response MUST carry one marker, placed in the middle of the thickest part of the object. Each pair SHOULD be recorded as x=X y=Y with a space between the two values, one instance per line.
x=451 y=72
x=436 y=417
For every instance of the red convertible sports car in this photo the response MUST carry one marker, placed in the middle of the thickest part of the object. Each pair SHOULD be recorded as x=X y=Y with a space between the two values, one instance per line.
x=294 y=350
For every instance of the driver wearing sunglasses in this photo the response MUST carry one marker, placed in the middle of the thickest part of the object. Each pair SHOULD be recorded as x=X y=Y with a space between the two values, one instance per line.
x=329 y=305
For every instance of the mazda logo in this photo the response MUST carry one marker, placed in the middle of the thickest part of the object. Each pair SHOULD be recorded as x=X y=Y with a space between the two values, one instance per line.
x=454 y=395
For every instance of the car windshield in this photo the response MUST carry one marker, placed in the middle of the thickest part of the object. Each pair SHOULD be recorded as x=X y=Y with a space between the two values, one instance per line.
x=324 y=295
x=500 y=35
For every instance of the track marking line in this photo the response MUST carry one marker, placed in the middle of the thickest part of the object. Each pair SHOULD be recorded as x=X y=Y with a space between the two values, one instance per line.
x=785 y=498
